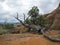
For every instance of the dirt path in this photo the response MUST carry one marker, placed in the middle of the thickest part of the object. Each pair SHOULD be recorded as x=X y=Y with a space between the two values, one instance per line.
x=25 y=39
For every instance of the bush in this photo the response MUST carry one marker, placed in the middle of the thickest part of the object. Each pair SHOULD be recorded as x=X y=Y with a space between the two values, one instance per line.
x=58 y=28
x=3 y=31
x=8 y=26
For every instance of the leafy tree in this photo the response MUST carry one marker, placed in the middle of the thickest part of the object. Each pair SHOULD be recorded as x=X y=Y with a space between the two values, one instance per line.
x=34 y=12
x=36 y=18
x=42 y=21
x=28 y=21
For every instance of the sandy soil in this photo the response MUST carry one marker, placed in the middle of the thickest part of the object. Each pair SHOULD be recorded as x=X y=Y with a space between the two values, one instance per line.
x=25 y=39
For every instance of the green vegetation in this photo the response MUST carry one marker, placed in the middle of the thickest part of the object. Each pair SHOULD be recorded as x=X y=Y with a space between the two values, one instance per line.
x=58 y=27
x=9 y=26
x=3 y=31
x=34 y=12
x=36 y=18
x=6 y=28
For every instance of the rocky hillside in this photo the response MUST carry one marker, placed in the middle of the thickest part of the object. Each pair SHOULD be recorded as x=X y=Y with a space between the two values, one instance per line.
x=54 y=18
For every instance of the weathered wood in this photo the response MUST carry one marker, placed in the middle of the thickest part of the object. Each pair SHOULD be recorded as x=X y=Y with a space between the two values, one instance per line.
x=49 y=37
x=32 y=26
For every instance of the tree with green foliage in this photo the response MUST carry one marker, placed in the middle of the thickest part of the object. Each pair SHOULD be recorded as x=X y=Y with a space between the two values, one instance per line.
x=34 y=21
x=36 y=18
x=42 y=21
x=34 y=12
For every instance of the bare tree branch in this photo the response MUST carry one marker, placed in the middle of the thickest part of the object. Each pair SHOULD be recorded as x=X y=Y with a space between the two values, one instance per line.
x=24 y=17
x=19 y=20
x=27 y=25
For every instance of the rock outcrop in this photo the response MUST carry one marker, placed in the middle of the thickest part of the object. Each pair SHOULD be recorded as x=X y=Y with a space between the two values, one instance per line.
x=54 y=18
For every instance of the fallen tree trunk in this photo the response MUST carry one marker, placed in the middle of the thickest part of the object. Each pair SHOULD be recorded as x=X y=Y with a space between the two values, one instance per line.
x=35 y=27
x=32 y=26
x=49 y=37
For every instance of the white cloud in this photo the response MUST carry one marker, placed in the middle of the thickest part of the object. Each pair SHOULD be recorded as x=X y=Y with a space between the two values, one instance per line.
x=9 y=8
x=2 y=0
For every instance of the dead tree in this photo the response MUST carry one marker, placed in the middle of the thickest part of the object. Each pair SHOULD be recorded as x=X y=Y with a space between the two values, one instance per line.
x=24 y=17
x=32 y=26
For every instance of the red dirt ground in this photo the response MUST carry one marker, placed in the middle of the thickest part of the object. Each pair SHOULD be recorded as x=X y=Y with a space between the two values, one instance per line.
x=25 y=39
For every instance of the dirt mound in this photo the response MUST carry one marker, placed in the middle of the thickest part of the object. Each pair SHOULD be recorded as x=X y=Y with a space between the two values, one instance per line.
x=25 y=39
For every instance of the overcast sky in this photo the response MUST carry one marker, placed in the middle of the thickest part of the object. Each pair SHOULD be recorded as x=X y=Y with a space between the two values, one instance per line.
x=8 y=8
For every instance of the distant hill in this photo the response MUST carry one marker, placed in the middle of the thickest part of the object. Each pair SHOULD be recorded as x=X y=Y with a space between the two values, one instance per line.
x=54 y=18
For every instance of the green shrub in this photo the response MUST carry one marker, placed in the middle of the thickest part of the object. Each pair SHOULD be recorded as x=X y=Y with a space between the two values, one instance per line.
x=8 y=26
x=3 y=31
x=58 y=28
